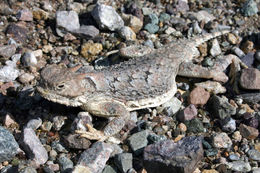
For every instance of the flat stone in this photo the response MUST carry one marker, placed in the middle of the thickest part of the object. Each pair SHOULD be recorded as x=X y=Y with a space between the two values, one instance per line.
x=138 y=141
x=250 y=79
x=240 y=166
x=66 y=21
x=94 y=159
x=199 y=96
x=107 y=17
x=168 y=156
x=124 y=161
x=33 y=147
x=24 y=15
x=7 y=51
x=8 y=145
x=188 y=113
x=109 y=169
x=76 y=142
x=212 y=87
x=248 y=132
x=221 y=140
x=220 y=107
x=86 y=31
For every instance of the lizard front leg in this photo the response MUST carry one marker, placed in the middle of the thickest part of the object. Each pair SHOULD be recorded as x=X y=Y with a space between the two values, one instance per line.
x=106 y=108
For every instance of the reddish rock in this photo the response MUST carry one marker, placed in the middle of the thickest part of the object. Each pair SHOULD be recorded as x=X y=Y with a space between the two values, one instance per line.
x=199 y=96
x=250 y=79
x=248 y=132
x=187 y=113
x=25 y=15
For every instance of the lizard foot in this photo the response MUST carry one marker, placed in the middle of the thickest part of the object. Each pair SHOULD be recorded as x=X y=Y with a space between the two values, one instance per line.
x=92 y=134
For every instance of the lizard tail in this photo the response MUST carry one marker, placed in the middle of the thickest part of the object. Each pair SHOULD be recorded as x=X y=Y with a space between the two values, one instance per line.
x=205 y=37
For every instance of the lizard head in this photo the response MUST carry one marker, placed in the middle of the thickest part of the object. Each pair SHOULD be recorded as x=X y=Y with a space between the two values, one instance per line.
x=62 y=85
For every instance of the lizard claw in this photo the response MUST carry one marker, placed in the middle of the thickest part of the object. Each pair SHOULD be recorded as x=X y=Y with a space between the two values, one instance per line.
x=92 y=134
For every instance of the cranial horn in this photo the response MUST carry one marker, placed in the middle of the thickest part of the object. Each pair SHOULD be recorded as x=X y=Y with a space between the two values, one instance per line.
x=75 y=68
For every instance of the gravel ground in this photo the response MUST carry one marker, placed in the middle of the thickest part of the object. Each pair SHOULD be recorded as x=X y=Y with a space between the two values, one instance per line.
x=207 y=127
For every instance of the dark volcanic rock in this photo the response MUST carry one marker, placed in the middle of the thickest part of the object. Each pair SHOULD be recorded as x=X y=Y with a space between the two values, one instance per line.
x=168 y=156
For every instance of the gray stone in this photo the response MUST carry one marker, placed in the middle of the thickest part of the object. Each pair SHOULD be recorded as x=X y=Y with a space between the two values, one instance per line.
x=80 y=121
x=233 y=157
x=195 y=126
x=7 y=51
x=171 y=107
x=65 y=164
x=109 y=169
x=86 y=31
x=58 y=122
x=215 y=49
x=124 y=161
x=56 y=145
x=138 y=141
x=238 y=52
x=33 y=147
x=8 y=145
x=76 y=142
x=151 y=28
x=28 y=170
x=212 y=87
x=29 y=59
x=168 y=156
x=220 y=107
x=239 y=166
x=94 y=159
x=152 y=19
x=107 y=17
x=34 y=123
x=203 y=15
x=254 y=154
x=249 y=8
x=9 y=72
x=127 y=33
x=221 y=140
x=116 y=150
x=66 y=21
x=228 y=125
x=250 y=79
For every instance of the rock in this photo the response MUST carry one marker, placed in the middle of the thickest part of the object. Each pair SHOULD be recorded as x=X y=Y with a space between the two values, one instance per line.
x=199 y=96
x=249 y=8
x=171 y=107
x=194 y=126
x=94 y=159
x=25 y=78
x=57 y=146
x=248 y=132
x=29 y=59
x=17 y=32
x=151 y=28
x=89 y=49
x=221 y=140
x=164 y=17
x=66 y=21
x=238 y=52
x=34 y=123
x=207 y=62
x=80 y=121
x=138 y=141
x=228 y=124
x=76 y=142
x=28 y=170
x=86 y=31
x=109 y=169
x=107 y=17
x=7 y=51
x=182 y=5
x=24 y=15
x=9 y=72
x=232 y=38
x=40 y=14
x=65 y=163
x=254 y=154
x=233 y=157
x=250 y=97
x=8 y=145
x=169 y=30
x=220 y=107
x=152 y=19
x=168 y=156
x=116 y=149
x=187 y=113
x=212 y=87
x=33 y=147
x=124 y=162
x=248 y=59
x=76 y=6
x=9 y=121
x=247 y=46
x=250 y=79
x=203 y=15
x=237 y=136
x=215 y=48
x=257 y=56
x=58 y=122
x=134 y=23
x=127 y=33
x=196 y=28
x=240 y=166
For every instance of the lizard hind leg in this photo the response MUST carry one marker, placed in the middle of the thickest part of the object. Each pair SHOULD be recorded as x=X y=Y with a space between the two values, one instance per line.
x=106 y=109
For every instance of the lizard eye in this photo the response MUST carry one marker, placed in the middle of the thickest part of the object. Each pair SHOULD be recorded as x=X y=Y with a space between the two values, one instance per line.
x=60 y=86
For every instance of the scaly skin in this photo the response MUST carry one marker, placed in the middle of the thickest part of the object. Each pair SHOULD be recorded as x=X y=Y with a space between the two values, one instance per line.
x=142 y=82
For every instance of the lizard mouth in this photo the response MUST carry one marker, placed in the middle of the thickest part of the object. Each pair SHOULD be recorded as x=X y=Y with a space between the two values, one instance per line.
x=47 y=94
